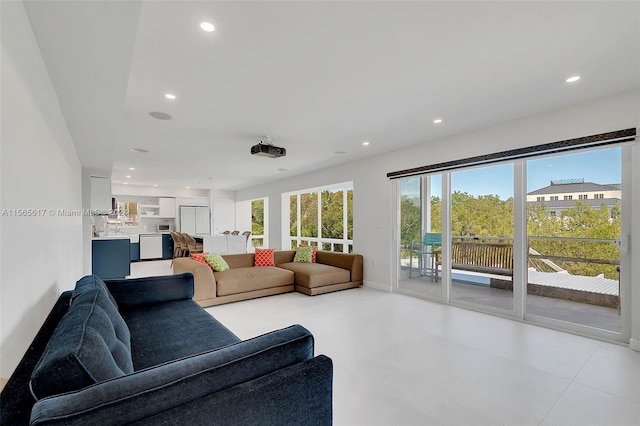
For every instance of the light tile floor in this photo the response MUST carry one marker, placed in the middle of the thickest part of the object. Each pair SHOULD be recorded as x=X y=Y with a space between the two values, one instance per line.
x=400 y=360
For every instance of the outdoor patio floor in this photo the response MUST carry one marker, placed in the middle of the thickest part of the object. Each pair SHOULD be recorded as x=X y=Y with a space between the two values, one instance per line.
x=564 y=310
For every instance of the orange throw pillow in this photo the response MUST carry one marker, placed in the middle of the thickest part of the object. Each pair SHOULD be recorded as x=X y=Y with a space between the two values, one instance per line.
x=199 y=257
x=264 y=257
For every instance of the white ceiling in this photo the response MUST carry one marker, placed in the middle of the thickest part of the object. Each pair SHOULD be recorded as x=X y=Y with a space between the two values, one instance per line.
x=315 y=76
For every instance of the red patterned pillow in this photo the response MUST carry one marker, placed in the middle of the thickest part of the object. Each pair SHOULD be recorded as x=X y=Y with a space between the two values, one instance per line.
x=264 y=257
x=313 y=255
x=199 y=257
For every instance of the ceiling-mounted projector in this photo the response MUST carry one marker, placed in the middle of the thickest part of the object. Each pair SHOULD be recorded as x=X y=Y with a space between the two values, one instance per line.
x=268 y=150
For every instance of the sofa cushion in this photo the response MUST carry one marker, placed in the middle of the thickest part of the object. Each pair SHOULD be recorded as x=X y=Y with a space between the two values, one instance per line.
x=304 y=255
x=90 y=344
x=264 y=257
x=314 y=254
x=158 y=337
x=133 y=292
x=91 y=282
x=216 y=261
x=242 y=280
x=317 y=274
x=199 y=257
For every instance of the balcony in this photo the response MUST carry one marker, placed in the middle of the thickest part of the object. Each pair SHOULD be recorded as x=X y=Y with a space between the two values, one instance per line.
x=563 y=284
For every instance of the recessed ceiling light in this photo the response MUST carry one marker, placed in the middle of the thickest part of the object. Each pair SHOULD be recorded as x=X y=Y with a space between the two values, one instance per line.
x=169 y=96
x=573 y=79
x=132 y=168
x=188 y=187
x=207 y=26
x=155 y=185
x=160 y=115
x=126 y=183
x=437 y=121
x=139 y=150
x=365 y=143
x=128 y=177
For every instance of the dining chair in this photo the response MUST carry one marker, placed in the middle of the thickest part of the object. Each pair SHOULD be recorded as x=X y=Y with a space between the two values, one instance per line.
x=194 y=247
x=429 y=247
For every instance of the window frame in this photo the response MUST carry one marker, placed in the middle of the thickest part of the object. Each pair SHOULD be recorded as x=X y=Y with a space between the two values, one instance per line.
x=319 y=240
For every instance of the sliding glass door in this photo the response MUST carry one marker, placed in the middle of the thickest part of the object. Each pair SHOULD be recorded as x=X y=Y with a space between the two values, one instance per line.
x=481 y=235
x=540 y=239
x=421 y=235
x=574 y=218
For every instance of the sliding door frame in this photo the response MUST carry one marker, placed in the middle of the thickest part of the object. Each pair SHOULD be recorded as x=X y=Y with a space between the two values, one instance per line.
x=520 y=247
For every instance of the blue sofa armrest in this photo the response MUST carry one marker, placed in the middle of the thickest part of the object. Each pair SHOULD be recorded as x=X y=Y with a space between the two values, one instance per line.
x=191 y=383
x=130 y=293
x=297 y=395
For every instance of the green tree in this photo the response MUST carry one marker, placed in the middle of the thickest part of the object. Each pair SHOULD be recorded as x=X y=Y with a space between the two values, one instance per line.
x=257 y=217
x=481 y=216
x=332 y=214
x=409 y=220
x=293 y=215
x=436 y=214
x=309 y=214
x=350 y=214
x=579 y=221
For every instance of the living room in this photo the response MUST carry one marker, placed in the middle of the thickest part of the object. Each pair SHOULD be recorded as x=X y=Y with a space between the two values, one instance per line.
x=45 y=165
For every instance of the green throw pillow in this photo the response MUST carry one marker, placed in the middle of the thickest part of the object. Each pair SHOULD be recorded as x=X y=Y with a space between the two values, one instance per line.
x=217 y=262
x=303 y=255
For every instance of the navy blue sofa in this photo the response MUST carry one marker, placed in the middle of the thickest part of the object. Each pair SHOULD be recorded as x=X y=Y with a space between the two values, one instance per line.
x=141 y=352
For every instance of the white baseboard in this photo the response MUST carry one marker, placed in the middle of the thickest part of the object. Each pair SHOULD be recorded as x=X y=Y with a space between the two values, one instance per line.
x=377 y=286
x=634 y=344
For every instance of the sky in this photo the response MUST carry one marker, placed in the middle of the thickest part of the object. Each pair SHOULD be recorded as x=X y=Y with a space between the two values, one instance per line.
x=601 y=166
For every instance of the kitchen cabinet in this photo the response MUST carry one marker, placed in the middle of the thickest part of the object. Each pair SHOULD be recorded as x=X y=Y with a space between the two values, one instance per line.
x=194 y=220
x=134 y=251
x=167 y=207
x=110 y=257
x=150 y=246
x=167 y=246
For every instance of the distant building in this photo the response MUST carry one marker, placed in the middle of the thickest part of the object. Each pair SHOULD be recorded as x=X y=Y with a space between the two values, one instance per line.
x=563 y=194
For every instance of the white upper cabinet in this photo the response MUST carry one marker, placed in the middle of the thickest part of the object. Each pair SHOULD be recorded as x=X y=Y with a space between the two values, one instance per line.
x=194 y=220
x=167 y=207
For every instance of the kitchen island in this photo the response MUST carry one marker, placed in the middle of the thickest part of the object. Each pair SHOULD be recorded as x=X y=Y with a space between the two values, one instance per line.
x=156 y=246
x=110 y=256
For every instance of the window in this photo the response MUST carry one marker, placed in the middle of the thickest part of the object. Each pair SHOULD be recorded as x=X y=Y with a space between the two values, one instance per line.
x=568 y=197
x=554 y=198
x=540 y=198
x=583 y=197
x=598 y=196
x=258 y=238
x=321 y=217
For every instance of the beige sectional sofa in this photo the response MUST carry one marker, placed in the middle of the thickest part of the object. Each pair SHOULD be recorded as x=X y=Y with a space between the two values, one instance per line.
x=331 y=272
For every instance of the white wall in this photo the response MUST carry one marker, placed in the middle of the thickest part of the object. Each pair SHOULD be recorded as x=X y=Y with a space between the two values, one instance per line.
x=39 y=256
x=372 y=189
x=243 y=215
x=223 y=211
